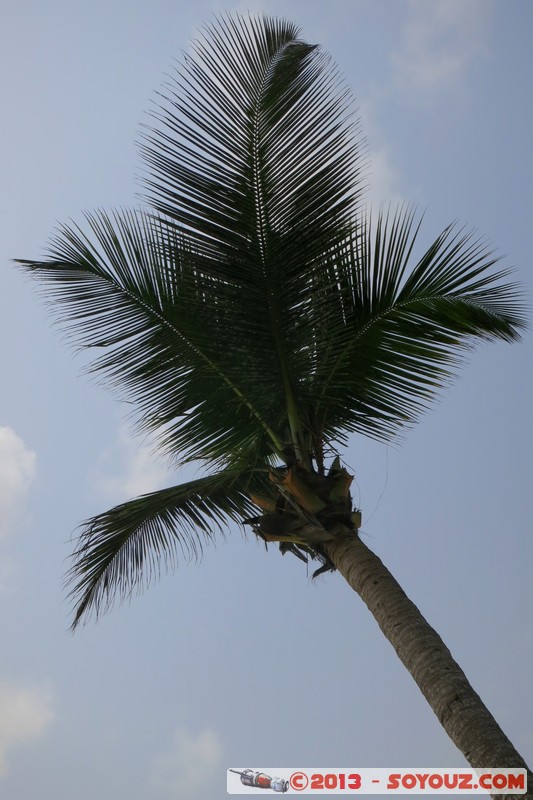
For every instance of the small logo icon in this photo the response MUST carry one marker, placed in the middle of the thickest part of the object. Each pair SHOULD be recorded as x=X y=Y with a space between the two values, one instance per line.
x=261 y=781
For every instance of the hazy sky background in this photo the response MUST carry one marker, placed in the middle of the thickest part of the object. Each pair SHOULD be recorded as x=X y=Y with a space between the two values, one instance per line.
x=242 y=659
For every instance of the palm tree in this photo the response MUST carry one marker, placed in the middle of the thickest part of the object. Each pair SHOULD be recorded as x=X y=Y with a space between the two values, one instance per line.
x=257 y=317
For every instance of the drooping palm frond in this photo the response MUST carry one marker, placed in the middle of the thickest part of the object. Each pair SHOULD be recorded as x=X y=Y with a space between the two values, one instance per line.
x=122 y=550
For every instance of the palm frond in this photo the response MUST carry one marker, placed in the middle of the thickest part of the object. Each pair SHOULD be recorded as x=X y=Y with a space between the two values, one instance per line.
x=256 y=151
x=254 y=137
x=170 y=332
x=399 y=328
x=122 y=550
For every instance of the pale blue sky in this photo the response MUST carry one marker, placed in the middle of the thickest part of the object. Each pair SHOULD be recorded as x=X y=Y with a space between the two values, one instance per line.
x=242 y=659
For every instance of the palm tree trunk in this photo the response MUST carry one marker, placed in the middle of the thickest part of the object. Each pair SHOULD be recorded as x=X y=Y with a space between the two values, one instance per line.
x=441 y=680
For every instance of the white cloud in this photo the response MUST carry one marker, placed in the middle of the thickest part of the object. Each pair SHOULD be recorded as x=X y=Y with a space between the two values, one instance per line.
x=138 y=471
x=439 y=41
x=190 y=764
x=17 y=470
x=25 y=712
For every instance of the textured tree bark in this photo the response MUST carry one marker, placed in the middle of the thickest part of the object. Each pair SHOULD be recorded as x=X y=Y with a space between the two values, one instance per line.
x=441 y=680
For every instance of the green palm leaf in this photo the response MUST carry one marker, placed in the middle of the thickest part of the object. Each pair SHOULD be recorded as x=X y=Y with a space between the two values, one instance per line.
x=254 y=139
x=170 y=334
x=122 y=550
x=255 y=152
x=399 y=327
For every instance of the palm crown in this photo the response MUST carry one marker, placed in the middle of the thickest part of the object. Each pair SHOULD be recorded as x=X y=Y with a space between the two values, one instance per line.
x=253 y=312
